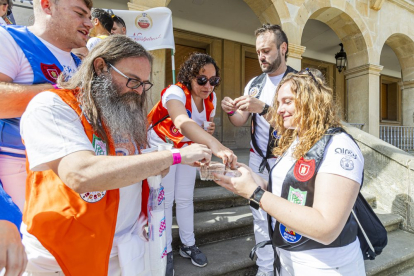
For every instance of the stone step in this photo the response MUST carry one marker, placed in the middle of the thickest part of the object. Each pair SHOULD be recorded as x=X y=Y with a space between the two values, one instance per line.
x=397 y=257
x=371 y=199
x=229 y=257
x=213 y=198
x=217 y=225
x=391 y=222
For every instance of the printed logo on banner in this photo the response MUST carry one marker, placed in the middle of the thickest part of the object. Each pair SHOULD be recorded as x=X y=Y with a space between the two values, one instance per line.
x=347 y=164
x=143 y=21
x=304 y=169
x=50 y=71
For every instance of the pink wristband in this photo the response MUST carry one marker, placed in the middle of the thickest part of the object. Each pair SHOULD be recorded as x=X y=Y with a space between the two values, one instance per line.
x=176 y=156
x=231 y=113
x=55 y=86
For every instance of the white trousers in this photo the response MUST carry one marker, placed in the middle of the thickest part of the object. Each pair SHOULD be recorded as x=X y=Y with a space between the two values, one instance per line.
x=13 y=176
x=265 y=255
x=179 y=187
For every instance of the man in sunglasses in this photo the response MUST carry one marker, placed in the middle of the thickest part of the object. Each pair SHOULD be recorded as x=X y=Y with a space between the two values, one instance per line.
x=272 y=48
x=85 y=205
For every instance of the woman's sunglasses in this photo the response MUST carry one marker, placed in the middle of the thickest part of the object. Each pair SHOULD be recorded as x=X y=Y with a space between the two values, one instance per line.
x=202 y=80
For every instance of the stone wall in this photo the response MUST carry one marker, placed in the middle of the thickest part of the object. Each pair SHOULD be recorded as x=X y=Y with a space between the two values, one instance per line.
x=389 y=175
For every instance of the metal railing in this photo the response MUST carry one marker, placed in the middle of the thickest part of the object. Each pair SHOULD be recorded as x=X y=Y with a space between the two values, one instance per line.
x=399 y=136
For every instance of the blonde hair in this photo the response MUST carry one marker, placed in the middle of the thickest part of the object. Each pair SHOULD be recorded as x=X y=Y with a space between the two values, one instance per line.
x=315 y=113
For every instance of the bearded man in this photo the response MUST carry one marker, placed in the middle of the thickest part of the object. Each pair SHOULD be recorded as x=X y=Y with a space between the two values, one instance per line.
x=83 y=212
x=272 y=48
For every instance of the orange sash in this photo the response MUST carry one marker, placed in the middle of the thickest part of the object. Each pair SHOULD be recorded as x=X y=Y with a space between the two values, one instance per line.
x=77 y=229
x=164 y=126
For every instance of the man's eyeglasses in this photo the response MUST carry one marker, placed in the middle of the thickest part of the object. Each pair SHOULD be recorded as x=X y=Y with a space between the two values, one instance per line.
x=202 y=80
x=306 y=71
x=134 y=83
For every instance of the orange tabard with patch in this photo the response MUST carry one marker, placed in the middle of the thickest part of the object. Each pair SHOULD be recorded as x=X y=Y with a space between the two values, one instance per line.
x=164 y=126
x=77 y=229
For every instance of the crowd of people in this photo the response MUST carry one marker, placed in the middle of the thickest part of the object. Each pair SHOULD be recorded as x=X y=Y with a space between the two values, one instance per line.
x=75 y=122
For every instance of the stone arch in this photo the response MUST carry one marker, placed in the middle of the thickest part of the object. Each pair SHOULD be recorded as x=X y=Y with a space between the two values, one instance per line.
x=266 y=10
x=403 y=47
x=344 y=20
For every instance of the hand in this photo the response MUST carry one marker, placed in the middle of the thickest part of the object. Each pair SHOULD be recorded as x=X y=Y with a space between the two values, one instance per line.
x=12 y=254
x=192 y=154
x=229 y=158
x=250 y=104
x=211 y=128
x=243 y=185
x=227 y=104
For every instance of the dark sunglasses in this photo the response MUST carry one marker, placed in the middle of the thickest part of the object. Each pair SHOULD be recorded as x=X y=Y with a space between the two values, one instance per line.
x=306 y=71
x=202 y=80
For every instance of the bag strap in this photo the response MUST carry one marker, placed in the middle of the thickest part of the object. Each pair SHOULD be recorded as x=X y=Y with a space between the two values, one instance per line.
x=363 y=232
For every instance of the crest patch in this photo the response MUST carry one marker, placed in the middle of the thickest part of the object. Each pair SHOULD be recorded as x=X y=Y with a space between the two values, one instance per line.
x=304 y=169
x=99 y=145
x=253 y=91
x=347 y=164
x=297 y=196
x=174 y=131
x=50 y=71
x=289 y=235
x=93 y=197
x=189 y=113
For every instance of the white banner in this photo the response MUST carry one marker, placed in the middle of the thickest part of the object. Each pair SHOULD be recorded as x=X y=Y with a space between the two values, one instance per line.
x=152 y=28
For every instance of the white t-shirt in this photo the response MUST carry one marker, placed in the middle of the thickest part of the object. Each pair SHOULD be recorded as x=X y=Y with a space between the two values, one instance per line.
x=51 y=130
x=174 y=92
x=92 y=42
x=341 y=157
x=267 y=96
x=14 y=63
x=2 y=22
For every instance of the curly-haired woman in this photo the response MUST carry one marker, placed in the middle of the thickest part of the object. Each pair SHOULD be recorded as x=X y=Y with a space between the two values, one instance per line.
x=178 y=118
x=313 y=186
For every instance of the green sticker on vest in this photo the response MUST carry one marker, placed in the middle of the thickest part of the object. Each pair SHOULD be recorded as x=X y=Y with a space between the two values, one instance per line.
x=297 y=196
x=99 y=145
x=168 y=140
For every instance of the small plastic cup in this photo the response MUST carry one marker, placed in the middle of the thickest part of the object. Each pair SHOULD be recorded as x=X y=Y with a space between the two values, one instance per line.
x=165 y=146
x=206 y=124
x=207 y=170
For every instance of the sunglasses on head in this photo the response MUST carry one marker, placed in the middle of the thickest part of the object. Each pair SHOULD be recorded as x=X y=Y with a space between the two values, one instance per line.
x=202 y=80
x=306 y=71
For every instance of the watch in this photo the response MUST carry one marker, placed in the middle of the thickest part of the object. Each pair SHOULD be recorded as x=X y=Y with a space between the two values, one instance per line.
x=256 y=197
x=265 y=110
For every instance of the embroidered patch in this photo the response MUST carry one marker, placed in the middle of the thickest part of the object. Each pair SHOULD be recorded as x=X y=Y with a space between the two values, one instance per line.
x=93 y=197
x=189 y=113
x=174 y=131
x=297 y=196
x=304 y=169
x=99 y=146
x=347 y=164
x=253 y=91
x=274 y=133
x=50 y=71
x=288 y=235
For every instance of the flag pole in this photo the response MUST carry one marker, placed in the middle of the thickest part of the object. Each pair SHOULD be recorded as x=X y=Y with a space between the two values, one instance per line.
x=173 y=65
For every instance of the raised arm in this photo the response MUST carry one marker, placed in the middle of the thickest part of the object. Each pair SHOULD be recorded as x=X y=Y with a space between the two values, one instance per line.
x=15 y=97
x=195 y=133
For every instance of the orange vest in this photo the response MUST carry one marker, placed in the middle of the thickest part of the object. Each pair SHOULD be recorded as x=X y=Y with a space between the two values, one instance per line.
x=77 y=229
x=163 y=125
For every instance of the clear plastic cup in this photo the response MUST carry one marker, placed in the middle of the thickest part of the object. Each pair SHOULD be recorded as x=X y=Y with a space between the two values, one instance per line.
x=206 y=124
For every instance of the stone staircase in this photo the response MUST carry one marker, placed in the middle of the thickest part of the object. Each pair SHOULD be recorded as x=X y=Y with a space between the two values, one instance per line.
x=223 y=226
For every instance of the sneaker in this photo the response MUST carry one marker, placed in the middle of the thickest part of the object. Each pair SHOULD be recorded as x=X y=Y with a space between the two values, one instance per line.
x=262 y=273
x=197 y=257
x=170 y=265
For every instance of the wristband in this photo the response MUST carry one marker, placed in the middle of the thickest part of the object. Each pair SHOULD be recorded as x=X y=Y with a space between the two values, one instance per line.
x=176 y=156
x=55 y=86
x=231 y=113
x=265 y=110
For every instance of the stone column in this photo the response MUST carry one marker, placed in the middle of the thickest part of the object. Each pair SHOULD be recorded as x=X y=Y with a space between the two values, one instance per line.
x=363 y=96
x=295 y=56
x=158 y=65
x=407 y=89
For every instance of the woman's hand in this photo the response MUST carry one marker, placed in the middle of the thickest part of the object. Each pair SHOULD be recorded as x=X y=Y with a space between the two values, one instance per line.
x=243 y=185
x=227 y=104
x=229 y=158
x=211 y=128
